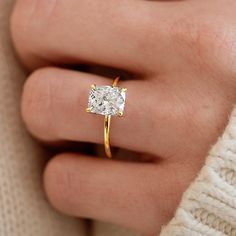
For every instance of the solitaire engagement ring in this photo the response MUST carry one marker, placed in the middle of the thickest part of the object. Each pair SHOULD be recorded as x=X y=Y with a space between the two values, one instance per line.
x=107 y=101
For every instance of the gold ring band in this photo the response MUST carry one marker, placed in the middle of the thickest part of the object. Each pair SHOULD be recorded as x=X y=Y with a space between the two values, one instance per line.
x=107 y=125
x=108 y=101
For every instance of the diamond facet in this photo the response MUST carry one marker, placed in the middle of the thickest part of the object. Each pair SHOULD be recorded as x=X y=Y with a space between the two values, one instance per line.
x=107 y=100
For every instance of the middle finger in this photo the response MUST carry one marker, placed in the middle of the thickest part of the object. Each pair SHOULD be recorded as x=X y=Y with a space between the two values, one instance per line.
x=112 y=33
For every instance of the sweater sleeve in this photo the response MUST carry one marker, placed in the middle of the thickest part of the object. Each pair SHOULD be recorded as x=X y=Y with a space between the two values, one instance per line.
x=208 y=207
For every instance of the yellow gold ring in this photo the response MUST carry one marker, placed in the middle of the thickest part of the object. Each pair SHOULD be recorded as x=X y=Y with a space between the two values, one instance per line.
x=107 y=101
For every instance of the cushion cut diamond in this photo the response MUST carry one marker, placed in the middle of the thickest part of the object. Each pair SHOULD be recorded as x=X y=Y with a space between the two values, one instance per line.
x=107 y=100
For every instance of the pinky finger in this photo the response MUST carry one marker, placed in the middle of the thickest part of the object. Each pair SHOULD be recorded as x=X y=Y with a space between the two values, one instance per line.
x=138 y=196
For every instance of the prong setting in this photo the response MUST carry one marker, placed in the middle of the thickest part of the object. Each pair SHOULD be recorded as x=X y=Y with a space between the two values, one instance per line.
x=93 y=86
x=120 y=113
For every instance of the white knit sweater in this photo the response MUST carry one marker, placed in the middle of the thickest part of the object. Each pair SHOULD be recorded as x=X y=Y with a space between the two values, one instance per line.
x=208 y=207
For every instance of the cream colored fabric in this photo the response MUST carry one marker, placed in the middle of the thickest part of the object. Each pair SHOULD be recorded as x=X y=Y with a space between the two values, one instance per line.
x=209 y=205
x=24 y=210
x=104 y=229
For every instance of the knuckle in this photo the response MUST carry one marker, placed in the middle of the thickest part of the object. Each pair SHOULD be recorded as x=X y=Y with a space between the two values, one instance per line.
x=63 y=185
x=207 y=45
x=58 y=183
x=37 y=102
x=29 y=20
x=193 y=37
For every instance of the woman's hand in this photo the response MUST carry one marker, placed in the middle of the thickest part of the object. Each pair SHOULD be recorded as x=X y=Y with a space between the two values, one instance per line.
x=183 y=56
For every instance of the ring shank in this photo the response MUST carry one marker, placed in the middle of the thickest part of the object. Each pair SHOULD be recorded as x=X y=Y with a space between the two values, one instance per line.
x=107 y=125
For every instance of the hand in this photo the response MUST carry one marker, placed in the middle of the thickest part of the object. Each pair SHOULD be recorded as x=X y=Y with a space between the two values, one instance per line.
x=183 y=56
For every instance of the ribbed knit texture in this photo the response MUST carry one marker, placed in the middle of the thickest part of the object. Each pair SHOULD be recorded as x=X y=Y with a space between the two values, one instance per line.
x=24 y=210
x=208 y=207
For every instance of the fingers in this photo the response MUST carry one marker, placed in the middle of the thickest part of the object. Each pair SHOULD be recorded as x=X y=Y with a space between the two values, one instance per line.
x=112 y=33
x=138 y=196
x=54 y=103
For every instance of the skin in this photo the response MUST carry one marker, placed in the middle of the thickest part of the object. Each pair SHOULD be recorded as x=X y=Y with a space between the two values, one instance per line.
x=183 y=56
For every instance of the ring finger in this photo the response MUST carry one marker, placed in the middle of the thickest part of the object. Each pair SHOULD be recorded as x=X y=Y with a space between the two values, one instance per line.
x=54 y=102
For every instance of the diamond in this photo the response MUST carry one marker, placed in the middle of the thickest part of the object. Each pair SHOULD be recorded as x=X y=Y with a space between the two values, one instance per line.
x=107 y=100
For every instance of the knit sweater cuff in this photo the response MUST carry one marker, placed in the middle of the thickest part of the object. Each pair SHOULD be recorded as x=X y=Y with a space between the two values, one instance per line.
x=208 y=207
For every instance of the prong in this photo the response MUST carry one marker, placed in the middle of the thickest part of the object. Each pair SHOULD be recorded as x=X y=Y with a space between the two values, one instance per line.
x=88 y=109
x=120 y=113
x=115 y=82
x=124 y=90
x=93 y=86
